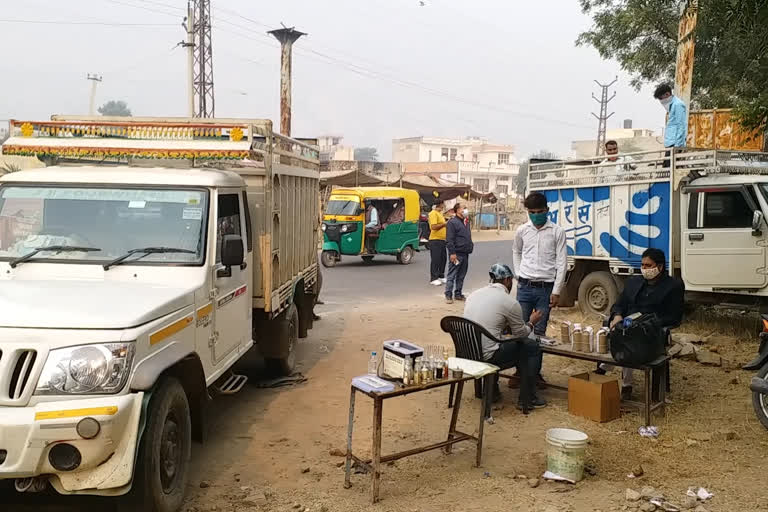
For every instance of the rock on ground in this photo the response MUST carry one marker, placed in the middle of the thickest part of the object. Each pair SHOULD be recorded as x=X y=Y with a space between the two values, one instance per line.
x=632 y=495
x=709 y=358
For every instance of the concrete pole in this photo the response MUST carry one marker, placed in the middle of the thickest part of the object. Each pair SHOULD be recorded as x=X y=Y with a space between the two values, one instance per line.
x=286 y=36
x=95 y=79
x=190 y=44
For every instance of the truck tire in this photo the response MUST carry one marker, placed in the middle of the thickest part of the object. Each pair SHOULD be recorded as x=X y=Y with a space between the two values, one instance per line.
x=760 y=401
x=162 y=467
x=286 y=329
x=328 y=258
x=406 y=255
x=597 y=293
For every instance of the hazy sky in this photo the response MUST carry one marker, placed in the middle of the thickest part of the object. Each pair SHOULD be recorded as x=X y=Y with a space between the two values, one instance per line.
x=370 y=70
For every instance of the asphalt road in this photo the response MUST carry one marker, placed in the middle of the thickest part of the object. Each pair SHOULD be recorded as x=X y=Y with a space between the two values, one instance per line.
x=350 y=283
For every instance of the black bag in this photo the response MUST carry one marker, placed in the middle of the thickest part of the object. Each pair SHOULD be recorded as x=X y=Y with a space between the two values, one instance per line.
x=640 y=343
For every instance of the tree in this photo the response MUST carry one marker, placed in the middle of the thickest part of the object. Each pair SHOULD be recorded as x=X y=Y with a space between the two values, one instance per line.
x=115 y=108
x=366 y=154
x=731 y=58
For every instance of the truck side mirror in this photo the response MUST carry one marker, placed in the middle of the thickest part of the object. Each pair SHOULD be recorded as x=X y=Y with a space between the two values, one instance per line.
x=757 y=220
x=232 y=254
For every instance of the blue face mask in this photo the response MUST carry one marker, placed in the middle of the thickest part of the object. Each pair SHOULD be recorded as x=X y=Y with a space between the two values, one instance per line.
x=538 y=219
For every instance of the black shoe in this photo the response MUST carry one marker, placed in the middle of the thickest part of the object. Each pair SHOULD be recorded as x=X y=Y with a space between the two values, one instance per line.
x=626 y=393
x=536 y=403
x=600 y=371
x=460 y=297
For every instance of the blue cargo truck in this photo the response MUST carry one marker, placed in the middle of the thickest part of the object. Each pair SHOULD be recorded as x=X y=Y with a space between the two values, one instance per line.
x=705 y=209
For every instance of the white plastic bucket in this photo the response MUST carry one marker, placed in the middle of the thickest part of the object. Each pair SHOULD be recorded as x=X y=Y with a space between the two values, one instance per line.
x=566 y=453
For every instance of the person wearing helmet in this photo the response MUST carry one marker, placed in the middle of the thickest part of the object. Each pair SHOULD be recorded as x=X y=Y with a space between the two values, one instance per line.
x=494 y=308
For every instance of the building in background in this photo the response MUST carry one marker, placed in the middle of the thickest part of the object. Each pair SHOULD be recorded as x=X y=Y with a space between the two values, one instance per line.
x=4 y=130
x=470 y=160
x=630 y=140
x=331 y=148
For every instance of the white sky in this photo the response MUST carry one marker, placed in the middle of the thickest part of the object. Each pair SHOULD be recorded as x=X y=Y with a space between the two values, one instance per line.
x=506 y=70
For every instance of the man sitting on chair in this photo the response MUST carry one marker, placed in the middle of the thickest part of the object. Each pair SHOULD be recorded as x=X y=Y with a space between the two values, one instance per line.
x=500 y=314
x=653 y=292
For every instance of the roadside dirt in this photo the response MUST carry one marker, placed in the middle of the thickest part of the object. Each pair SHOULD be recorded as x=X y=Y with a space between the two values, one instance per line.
x=278 y=450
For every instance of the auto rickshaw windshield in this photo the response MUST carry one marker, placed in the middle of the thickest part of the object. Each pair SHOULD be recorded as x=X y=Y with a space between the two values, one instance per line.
x=342 y=206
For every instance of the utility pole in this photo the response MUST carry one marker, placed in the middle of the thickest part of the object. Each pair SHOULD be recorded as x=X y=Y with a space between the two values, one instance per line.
x=686 y=44
x=189 y=44
x=202 y=79
x=602 y=119
x=286 y=36
x=95 y=79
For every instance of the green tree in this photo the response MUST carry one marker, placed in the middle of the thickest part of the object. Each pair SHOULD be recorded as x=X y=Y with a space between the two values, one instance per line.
x=115 y=108
x=731 y=57
x=366 y=154
x=525 y=165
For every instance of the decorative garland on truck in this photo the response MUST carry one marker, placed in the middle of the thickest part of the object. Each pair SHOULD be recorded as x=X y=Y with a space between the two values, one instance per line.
x=123 y=153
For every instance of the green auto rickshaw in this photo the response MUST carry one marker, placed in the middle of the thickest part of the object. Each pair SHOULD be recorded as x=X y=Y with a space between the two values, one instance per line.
x=369 y=221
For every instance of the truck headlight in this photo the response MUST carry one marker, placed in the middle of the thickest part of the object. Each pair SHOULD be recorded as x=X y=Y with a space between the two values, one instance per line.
x=86 y=369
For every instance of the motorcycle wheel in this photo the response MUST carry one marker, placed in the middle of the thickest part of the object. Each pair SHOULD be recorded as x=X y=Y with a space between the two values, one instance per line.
x=760 y=401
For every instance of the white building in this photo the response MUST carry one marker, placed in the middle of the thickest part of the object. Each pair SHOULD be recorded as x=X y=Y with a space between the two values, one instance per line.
x=472 y=160
x=332 y=149
x=630 y=140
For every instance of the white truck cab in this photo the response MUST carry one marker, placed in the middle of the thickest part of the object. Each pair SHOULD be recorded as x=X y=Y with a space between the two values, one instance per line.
x=126 y=297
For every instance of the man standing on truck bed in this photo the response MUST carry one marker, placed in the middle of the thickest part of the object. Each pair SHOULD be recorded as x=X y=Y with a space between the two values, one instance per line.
x=676 y=130
x=458 y=239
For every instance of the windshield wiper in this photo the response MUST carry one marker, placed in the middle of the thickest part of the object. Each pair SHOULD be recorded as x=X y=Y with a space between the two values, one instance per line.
x=51 y=248
x=145 y=251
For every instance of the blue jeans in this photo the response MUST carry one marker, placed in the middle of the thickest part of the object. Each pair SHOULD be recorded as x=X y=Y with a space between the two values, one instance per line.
x=454 y=281
x=531 y=298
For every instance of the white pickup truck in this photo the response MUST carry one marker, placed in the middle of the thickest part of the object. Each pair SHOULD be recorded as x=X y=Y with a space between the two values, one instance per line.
x=706 y=209
x=129 y=289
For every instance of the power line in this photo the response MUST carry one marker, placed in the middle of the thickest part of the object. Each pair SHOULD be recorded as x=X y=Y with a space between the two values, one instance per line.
x=101 y=23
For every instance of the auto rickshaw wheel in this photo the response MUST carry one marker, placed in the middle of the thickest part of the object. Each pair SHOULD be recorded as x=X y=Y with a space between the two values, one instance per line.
x=367 y=259
x=406 y=255
x=329 y=258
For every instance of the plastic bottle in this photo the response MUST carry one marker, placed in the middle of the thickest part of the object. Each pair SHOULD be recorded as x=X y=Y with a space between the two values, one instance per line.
x=373 y=364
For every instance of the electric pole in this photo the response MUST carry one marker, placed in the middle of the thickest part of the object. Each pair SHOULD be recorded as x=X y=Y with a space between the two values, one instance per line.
x=286 y=36
x=198 y=25
x=602 y=119
x=95 y=79
x=189 y=45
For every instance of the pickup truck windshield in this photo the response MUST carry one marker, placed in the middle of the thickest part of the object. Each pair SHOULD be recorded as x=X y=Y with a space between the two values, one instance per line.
x=112 y=220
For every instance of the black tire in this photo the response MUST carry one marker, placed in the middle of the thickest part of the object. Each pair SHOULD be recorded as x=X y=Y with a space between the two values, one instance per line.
x=597 y=293
x=286 y=329
x=367 y=259
x=406 y=255
x=304 y=303
x=329 y=258
x=760 y=401
x=165 y=448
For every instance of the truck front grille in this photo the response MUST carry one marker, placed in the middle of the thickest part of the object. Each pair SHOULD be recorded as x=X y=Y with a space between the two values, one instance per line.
x=20 y=363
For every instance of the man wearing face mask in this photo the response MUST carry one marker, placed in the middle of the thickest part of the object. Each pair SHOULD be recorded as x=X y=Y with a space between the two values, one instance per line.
x=654 y=292
x=458 y=240
x=676 y=130
x=494 y=308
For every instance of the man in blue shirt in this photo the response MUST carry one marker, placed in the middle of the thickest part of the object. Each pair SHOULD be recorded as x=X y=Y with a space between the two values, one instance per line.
x=677 y=122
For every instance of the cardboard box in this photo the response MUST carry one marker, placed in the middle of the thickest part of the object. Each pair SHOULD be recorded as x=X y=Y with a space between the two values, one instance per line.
x=594 y=396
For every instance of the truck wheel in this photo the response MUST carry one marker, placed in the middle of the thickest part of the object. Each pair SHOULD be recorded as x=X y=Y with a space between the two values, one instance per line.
x=162 y=467
x=597 y=293
x=760 y=401
x=287 y=331
x=406 y=255
x=328 y=258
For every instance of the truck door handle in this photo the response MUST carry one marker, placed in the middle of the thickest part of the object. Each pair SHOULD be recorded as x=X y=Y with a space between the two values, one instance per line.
x=695 y=237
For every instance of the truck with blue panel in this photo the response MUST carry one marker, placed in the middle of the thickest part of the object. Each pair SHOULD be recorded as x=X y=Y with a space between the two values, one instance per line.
x=704 y=208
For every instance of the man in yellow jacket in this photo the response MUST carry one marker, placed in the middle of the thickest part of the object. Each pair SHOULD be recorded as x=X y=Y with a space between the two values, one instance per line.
x=437 y=250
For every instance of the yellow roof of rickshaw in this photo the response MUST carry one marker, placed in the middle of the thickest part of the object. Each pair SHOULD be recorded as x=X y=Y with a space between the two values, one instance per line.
x=411 y=197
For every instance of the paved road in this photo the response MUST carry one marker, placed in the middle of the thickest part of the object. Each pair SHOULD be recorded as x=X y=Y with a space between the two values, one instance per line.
x=354 y=281
x=350 y=283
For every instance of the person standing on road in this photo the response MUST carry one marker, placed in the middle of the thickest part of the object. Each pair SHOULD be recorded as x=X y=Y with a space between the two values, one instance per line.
x=540 y=261
x=437 y=250
x=676 y=129
x=458 y=240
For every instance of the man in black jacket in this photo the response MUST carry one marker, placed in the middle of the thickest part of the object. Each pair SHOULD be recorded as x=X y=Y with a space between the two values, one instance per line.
x=653 y=292
x=458 y=239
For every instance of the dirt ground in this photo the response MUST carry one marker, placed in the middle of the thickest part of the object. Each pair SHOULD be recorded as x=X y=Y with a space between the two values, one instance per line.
x=278 y=456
